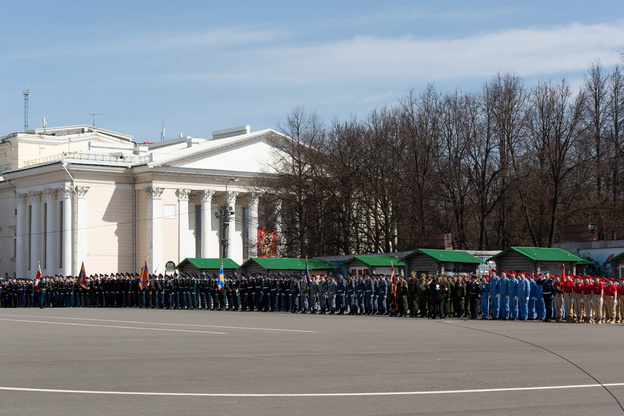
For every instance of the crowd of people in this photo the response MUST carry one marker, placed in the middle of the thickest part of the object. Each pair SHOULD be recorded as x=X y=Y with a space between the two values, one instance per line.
x=510 y=296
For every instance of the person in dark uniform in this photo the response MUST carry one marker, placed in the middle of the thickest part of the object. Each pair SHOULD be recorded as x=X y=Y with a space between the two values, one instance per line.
x=548 y=290
x=473 y=296
x=242 y=291
x=295 y=288
x=437 y=289
x=274 y=293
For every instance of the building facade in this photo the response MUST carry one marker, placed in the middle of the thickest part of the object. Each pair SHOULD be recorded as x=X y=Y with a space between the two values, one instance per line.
x=97 y=197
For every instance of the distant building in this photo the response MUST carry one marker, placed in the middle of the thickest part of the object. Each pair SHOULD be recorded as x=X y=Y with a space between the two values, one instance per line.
x=597 y=253
x=537 y=260
x=373 y=264
x=434 y=261
x=285 y=265
x=82 y=194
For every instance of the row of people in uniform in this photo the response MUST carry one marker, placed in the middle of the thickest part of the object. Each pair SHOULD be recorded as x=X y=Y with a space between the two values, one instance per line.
x=514 y=296
x=369 y=294
x=569 y=298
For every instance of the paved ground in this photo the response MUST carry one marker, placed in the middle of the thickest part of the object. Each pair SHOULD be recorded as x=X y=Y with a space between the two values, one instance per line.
x=126 y=361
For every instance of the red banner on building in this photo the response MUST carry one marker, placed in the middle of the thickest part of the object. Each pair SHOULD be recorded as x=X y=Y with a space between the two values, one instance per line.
x=267 y=242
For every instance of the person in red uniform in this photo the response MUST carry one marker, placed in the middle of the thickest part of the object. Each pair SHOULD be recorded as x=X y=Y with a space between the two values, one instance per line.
x=610 y=295
x=558 y=298
x=567 y=285
x=588 y=294
x=577 y=295
x=620 y=304
x=598 y=292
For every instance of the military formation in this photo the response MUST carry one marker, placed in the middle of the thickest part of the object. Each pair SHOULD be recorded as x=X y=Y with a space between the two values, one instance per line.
x=510 y=296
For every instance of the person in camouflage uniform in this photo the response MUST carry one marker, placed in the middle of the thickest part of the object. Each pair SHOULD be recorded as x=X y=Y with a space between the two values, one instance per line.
x=402 y=296
x=448 y=295
x=412 y=285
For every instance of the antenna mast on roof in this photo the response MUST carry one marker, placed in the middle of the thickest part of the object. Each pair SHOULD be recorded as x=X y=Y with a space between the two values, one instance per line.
x=93 y=115
x=26 y=97
x=162 y=131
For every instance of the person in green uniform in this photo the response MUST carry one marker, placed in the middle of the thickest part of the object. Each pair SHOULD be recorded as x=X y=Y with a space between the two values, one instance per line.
x=402 y=296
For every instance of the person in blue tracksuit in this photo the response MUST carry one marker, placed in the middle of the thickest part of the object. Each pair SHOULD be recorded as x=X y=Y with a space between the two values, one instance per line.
x=504 y=296
x=513 y=296
x=484 y=292
x=495 y=295
x=532 y=297
x=524 y=290
x=540 y=305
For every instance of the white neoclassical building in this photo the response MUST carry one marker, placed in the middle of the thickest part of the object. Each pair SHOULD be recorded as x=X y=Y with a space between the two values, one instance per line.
x=82 y=194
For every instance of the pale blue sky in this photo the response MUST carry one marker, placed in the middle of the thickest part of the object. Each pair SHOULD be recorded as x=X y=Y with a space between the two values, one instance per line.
x=205 y=65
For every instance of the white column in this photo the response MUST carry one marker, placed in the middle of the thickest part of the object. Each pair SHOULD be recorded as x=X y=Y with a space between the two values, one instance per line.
x=51 y=232
x=252 y=227
x=206 y=222
x=65 y=242
x=154 y=229
x=81 y=229
x=185 y=248
x=230 y=199
x=21 y=237
x=279 y=228
x=35 y=231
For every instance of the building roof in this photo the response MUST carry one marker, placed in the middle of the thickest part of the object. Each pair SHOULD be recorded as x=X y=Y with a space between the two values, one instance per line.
x=270 y=263
x=617 y=258
x=542 y=254
x=209 y=264
x=446 y=256
x=377 y=261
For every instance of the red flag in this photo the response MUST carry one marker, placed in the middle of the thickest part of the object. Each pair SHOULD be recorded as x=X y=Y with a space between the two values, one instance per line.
x=563 y=275
x=393 y=289
x=82 y=277
x=38 y=276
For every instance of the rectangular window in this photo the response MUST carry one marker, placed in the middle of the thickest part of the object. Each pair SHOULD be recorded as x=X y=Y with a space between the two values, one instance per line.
x=14 y=248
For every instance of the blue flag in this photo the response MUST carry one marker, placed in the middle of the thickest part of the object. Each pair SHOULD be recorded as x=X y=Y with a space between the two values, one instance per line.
x=307 y=273
x=221 y=281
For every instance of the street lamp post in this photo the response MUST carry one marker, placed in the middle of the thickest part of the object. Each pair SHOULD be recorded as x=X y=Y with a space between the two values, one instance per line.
x=224 y=215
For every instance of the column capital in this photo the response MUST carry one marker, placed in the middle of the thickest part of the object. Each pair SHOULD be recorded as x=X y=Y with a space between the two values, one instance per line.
x=253 y=197
x=154 y=192
x=183 y=194
x=231 y=196
x=66 y=191
x=81 y=191
x=206 y=194
x=21 y=198
x=50 y=194
x=35 y=196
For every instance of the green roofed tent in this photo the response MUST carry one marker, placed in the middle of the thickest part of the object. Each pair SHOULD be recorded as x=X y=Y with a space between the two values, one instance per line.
x=434 y=261
x=373 y=265
x=199 y=265
x=286 y=265
x=537 y=260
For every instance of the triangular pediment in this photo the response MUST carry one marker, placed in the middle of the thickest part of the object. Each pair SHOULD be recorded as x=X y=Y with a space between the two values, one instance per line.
x=252 y=153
